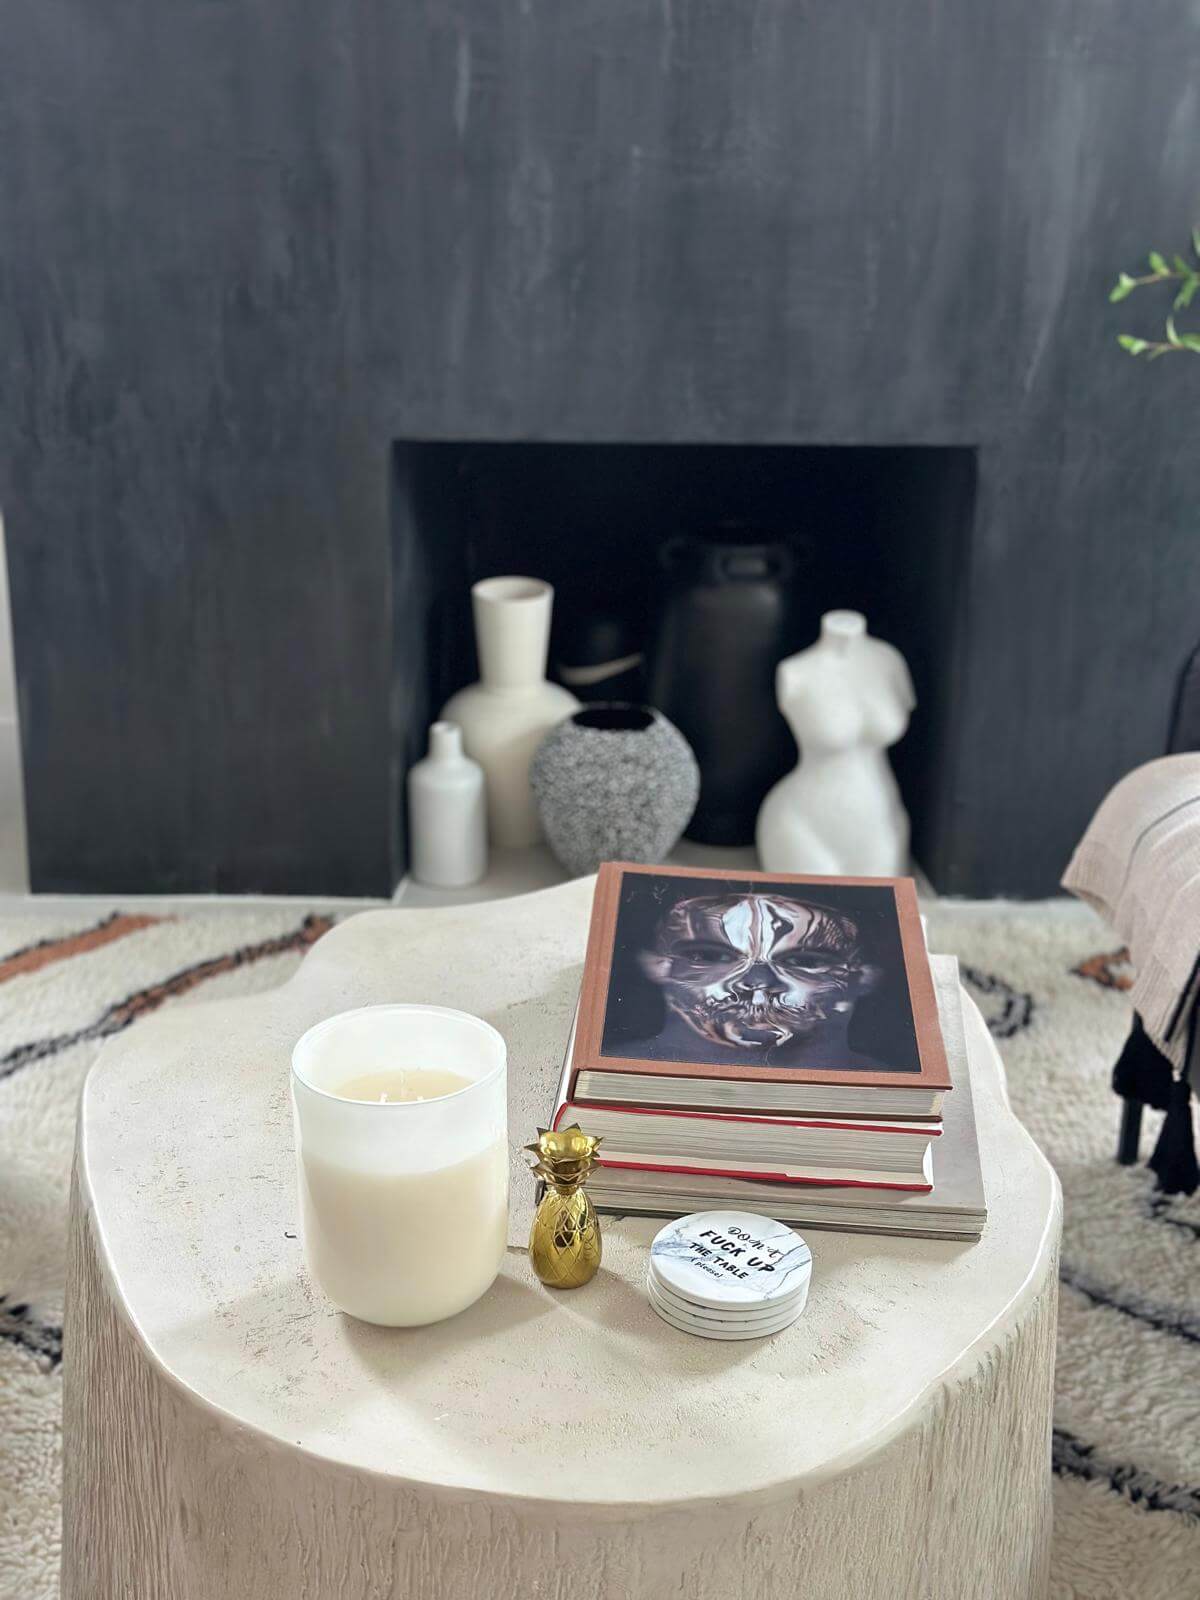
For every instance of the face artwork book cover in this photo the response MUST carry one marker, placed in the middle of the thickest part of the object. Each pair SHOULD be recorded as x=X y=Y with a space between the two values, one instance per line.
x=756 y=976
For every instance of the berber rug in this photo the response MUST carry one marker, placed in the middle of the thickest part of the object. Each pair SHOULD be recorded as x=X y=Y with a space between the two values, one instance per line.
x=1126 y=1454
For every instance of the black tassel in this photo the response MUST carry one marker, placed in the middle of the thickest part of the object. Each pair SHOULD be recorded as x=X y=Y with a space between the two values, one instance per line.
x=1174 y=1158
x=1142 y=1072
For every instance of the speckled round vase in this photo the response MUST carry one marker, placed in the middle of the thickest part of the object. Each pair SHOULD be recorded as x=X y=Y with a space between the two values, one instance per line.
x=614 y=782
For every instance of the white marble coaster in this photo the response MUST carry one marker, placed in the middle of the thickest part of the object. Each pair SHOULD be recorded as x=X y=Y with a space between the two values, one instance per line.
x=731 y=1260
x=720 y=1326
x=705 y=1330
x=728 y=1318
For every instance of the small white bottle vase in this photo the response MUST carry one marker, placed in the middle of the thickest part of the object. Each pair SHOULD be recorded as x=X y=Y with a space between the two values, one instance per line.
x=505 y=715
x=447 y=813
x=838 y=812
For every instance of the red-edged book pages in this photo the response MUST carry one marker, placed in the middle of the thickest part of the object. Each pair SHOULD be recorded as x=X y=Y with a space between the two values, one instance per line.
x=774 y=1149
x=955 y=1208
x=755 y=991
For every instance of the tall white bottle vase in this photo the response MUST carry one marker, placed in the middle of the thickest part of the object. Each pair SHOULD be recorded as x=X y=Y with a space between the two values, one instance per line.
x=505 y=716
x=847 y=698
x=447 y=813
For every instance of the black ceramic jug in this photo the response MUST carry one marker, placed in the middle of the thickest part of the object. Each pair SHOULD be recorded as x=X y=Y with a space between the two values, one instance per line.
x=728 y=617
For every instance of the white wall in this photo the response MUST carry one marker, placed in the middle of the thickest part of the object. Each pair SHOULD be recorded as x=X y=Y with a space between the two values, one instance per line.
x=14 y=869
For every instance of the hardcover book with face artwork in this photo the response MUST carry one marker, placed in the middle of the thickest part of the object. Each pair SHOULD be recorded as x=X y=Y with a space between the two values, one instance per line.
x=757 y=992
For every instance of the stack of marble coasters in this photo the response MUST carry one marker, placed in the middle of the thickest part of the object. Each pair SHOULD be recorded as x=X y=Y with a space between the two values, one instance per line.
x=728 y=1275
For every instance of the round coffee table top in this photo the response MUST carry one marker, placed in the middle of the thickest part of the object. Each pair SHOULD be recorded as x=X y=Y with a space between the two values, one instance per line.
x=582 y=1398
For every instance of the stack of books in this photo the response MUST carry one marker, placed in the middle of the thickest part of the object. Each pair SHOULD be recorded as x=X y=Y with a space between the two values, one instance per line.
x=772 y=1043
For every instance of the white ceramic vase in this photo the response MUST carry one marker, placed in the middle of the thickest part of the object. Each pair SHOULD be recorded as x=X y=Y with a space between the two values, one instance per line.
x=447 y=813
x=847 y=698
x=505 y=715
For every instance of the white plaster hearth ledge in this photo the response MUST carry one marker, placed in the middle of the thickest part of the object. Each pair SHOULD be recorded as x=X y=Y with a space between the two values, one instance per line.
x=230 y=1436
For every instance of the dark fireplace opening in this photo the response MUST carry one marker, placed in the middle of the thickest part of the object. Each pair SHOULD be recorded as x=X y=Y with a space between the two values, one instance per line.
x=882 y=530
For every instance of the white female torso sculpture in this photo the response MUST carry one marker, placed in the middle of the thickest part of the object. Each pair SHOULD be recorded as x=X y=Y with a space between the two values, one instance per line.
x=838 y=812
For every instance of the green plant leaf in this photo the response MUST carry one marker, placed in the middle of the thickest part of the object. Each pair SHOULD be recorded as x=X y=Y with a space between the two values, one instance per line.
x=1157 y=263
x=1134 y=346
x=1190 y=341
x=1123 y=287
x=1184 y=298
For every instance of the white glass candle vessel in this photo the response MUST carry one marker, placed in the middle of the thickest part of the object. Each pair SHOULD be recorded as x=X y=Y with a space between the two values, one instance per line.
x=402 y=1149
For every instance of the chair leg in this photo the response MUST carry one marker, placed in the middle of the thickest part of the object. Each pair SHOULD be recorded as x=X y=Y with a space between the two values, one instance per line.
x=1131 y=1130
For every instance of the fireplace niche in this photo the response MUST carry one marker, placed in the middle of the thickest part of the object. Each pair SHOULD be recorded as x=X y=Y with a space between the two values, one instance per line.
x=883 y=530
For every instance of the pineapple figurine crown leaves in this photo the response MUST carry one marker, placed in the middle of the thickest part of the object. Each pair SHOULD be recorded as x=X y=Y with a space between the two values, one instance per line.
x=565 y=1156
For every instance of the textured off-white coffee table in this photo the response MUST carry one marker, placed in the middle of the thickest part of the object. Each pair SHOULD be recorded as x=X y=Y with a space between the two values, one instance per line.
x=229 y=1434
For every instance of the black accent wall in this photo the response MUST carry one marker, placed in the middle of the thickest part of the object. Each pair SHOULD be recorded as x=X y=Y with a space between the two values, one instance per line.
x=244 y=248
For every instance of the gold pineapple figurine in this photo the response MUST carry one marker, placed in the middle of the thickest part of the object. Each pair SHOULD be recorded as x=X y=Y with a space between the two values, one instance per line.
x=564 y=1242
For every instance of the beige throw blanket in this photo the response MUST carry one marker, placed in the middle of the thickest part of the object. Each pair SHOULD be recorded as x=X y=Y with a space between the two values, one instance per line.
x=1138 y=864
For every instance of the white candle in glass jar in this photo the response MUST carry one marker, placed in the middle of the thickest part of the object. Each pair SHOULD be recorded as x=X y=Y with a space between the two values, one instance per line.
x=402 y=1150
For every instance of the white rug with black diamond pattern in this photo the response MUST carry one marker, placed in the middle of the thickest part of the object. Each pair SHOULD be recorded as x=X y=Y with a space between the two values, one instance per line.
x=1127 y=1423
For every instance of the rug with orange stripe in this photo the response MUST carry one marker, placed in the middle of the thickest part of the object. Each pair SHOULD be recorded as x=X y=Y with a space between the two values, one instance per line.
x=1051 y=983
